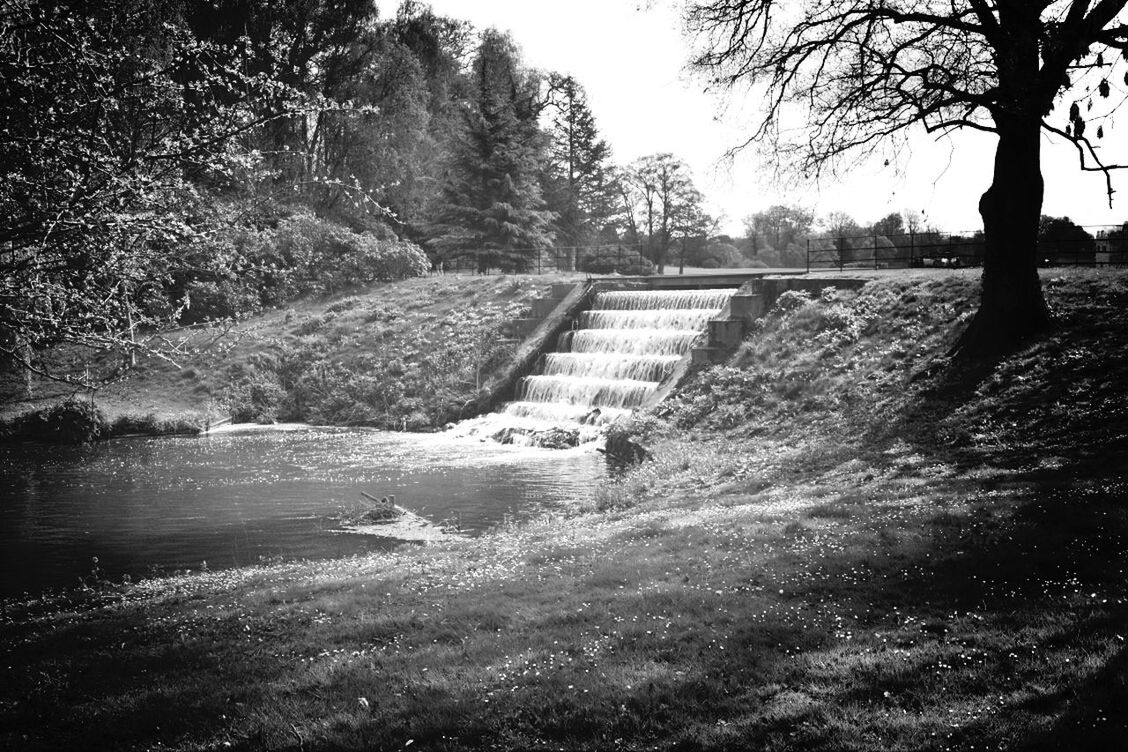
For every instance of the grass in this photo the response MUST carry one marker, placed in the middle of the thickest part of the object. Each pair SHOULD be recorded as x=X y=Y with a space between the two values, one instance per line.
x=404 y=355
x=841 y=558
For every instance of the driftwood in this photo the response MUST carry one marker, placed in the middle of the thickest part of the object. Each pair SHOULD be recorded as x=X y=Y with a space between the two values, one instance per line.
x=385 y=511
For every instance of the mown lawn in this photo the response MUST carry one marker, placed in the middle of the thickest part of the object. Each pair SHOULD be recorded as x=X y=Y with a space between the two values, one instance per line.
x=826 y=553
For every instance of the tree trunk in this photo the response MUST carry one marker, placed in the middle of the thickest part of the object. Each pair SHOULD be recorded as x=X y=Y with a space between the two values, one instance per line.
x=1012 y=309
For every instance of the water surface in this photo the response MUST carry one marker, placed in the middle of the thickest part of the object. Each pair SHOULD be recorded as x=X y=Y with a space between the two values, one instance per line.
x=156 y=505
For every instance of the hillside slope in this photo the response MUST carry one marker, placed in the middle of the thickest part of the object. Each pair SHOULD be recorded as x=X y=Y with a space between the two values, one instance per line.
x=837 y=546
x=402 y=355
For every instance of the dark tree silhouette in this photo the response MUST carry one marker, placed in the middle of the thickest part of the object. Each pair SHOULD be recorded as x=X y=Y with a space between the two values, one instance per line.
x=867 y=72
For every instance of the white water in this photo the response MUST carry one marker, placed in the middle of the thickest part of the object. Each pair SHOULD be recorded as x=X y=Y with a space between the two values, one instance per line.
x=615 y=360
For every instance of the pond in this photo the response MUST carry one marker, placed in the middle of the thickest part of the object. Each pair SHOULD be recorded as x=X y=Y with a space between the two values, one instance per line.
x=147 y=506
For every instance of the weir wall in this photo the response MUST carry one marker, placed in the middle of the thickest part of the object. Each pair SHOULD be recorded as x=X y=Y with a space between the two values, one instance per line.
x=558 y=311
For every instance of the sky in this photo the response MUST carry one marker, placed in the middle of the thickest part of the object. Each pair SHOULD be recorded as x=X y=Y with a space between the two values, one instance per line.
x=631 y=56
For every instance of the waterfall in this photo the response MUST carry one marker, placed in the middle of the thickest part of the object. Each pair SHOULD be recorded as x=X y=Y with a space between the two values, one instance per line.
x=616 y=358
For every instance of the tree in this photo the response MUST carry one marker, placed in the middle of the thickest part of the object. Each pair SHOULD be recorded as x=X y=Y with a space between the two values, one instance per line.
x=491 y=207
x=667 y=200
x=438 y=45
x=890 y=225
x=869 y=71
x=579 y=190
x=844 y=232
x=780 y=225
x=1060 y=239
x=312 y=46
x=104 y=121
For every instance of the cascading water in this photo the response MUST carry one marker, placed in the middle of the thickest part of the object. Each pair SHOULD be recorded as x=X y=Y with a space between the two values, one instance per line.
x=613 y=361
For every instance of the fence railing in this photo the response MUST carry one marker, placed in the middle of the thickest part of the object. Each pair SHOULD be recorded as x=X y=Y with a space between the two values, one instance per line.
x=599 y=259
x=951 y=251
x=899 y=251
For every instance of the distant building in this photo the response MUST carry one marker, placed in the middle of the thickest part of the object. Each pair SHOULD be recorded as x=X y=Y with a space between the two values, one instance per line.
x=1102 y=246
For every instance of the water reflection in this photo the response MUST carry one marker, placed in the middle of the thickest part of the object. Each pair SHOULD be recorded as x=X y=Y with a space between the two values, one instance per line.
x=232 y=499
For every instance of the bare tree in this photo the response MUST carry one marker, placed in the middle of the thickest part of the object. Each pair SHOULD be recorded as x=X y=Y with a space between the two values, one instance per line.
x=867 y=72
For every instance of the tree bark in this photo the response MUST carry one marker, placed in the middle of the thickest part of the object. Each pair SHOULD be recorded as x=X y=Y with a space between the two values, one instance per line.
x=1012 y=309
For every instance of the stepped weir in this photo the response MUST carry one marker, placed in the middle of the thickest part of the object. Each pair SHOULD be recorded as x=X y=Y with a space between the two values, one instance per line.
x=615 y=358
x=593 y=352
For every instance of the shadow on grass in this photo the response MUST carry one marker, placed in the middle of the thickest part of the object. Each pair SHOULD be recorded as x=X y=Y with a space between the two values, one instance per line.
x=1000 y=623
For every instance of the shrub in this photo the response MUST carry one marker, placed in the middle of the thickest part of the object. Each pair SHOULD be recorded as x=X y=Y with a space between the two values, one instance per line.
x=247 y=263
x=790 y=300
x=254 y=399
x=210 y=299
x=615 y=260
x=717 y=256
x=151 y=425
x=627 y=441
x=71 y=422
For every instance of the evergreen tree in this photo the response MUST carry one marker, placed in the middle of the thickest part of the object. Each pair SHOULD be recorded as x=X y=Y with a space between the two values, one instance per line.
x=491 y=206
x=578 y=181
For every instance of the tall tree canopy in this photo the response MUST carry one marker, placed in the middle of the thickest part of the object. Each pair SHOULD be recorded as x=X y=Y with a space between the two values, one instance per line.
x=106 y=121
x=663 y=202
x=780 y=225
x=491 y=207
x=863 y=73
x=579 y=187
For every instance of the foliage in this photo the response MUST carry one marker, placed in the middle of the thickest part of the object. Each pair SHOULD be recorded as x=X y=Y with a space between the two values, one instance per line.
x=712 y=255
x=886 y=253
x=491 y=207
x=1061 y=239
x=254 y=398
x=607 y=259
x=152 y=425
x=104 y=116
x=780 y=225
x=578 y=180
x=660 y=200
x=275 y=255
x=73 y=421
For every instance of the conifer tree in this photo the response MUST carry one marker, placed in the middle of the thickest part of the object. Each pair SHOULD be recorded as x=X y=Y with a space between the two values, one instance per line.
x=578 y=181
x=491 y=207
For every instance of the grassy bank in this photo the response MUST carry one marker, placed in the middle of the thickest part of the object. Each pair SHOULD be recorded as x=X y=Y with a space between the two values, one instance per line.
x=830 y=550
x=403 y=355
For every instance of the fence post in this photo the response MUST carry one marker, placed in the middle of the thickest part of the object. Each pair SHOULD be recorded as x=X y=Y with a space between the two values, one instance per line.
x=875 y=252
x=808 y=255
x=912 y=247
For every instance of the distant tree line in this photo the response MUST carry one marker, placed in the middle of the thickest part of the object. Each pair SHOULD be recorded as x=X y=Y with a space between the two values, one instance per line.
x=781 y=236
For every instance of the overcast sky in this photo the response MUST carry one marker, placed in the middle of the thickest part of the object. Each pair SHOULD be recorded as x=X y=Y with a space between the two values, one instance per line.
x=630 y=56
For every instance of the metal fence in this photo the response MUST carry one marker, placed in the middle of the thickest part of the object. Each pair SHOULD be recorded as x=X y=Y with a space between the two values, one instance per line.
x=1108 y=246
x=604 y=258
x=934 y=249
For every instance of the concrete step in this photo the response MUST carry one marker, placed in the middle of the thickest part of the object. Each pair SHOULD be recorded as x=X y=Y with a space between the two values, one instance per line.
x=746 y=306
x=708 y=356
x=560 y=290
x=524 y=327
x=727 y=333
x=544 y=306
